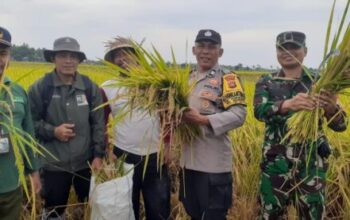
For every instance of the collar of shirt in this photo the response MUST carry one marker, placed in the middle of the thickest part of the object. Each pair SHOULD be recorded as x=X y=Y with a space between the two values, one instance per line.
x=208 y=74
x=78 y=81
x=304 y=76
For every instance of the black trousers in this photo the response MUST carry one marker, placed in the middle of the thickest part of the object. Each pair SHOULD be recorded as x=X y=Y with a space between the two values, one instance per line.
x=206 y=196
x=11 y=204
x=56 y=188
x=155 y=186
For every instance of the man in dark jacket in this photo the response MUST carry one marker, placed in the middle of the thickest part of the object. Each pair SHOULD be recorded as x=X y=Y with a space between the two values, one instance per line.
x=65 y=123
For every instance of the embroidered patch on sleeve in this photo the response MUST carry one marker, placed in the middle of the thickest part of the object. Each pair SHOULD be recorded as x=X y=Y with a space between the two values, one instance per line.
x=232 y=93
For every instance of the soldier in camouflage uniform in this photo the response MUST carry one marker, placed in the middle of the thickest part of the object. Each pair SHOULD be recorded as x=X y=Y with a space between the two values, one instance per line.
x=292 y=172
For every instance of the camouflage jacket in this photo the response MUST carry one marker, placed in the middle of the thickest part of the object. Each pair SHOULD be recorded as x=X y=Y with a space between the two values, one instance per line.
x=270 y=92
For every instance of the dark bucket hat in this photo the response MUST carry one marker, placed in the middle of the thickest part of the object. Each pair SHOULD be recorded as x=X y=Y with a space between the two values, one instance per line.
x=5 y=37
x=64 y=44
x=292 y=37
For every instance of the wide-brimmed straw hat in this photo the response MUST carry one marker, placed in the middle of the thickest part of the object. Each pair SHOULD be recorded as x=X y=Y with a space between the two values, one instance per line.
x=64 y=44
x=117 y=44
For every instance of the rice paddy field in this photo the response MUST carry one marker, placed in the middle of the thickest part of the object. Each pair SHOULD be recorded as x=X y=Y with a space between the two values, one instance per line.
x=247 y=142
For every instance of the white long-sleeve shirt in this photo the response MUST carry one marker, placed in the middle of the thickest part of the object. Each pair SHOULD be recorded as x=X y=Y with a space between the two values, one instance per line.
x=138 y=132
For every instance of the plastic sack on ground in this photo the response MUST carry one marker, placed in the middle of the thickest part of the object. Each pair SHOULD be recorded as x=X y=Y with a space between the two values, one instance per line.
x=112 y=199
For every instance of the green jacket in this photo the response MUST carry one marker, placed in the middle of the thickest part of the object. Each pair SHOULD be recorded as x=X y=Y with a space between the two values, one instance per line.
x=68 y=105
x=22 y=119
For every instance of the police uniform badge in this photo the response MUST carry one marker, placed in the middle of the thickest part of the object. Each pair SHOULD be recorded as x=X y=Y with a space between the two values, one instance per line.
x=232 y=93
x=205 y=104
x=214 y=82
x=207 y=95
x=208 y=33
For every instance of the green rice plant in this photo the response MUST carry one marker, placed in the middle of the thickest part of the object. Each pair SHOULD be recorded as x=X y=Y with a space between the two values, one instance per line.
x=338 y=178
x=246 y=147
x=111 y=169
x=334 y=78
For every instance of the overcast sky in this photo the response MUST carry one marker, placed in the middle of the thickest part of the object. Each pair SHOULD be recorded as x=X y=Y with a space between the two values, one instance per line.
x=248 y=27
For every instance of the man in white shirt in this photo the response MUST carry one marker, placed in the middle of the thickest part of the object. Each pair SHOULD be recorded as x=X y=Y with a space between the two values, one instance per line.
x=137 y=136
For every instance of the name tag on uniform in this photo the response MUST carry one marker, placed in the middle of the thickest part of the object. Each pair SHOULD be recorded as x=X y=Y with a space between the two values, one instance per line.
x=56 y=96
x=81 y=100
x=4 y=145
x=18 y=99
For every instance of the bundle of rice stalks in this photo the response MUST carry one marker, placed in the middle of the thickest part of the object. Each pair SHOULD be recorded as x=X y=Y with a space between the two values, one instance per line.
x=334 y=77
x=111 y=169
x=157 y=88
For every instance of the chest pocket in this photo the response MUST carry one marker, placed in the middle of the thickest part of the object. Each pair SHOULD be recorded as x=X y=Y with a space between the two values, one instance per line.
x=209 y=98
x=81 y=100
x=76 y=110
x=282 y=90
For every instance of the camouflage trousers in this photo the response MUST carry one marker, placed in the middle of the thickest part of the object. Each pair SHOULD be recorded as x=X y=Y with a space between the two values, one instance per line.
x=292 y=175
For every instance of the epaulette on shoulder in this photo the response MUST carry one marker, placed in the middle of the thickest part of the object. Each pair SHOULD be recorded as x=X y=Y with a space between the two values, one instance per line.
x=227 y=71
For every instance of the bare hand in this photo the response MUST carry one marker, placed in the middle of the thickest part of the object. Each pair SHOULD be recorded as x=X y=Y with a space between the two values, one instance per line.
x=64 y=132
x=35 y=181
x=96 y=163
x=193 y=116
x=301 y=101
x=328 y=102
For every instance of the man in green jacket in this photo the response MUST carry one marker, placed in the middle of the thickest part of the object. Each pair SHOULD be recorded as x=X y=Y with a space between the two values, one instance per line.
x=67 y=126
x=10 y=190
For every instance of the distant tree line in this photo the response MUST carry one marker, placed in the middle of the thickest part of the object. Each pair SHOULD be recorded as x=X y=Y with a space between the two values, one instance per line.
x=25 y=53
x=29 y=54
x=239 y=67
